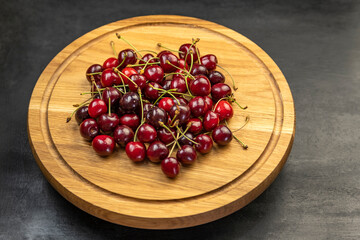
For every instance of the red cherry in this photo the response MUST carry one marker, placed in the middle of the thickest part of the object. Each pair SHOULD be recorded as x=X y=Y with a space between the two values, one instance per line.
x=96 y=108
x=222 y=135
x=147 y=58
x=108 y=123
x=178 y=83
x=109 y=77
x=184 y=49
x=168 y=57
x=200 y=86
x=166 y=84
x=94 y=69
x=197 y=106
x=157 y=151
x=89 y=129
x=224 y=110
x=163 y=51
x=146 y=133
x=209 y=103
x=182 y=101
x=123 y=135
x=165 y=136
x=130 y=120
x=220 y=90
x=183 y=64
x=152 y=93
x=110 y=63
x=129 y=55
x=103 y=145
x=140 y=81
x=205 y=143
x=166 y=103
x=186 y=155
x=216 y=77
x=113 y=94
x=170 y=167
x=136 y=151
x=198 y=69
x=196 y=126
x=128 y=72
x=209 y=61
x=154 y=73
x=211 y=120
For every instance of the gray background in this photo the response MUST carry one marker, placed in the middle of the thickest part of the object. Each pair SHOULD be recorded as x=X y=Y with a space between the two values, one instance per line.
x=315 y=43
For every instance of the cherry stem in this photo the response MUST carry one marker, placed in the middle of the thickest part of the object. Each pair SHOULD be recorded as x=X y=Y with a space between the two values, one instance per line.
x=113 y=47
x=141 y=105
x=186 y=71
x=122 y=38
x=165 y=91
x=192 y=60
x=197 y=51
x=232 y=79
x=183 y=133
x=168 y=129
x=93 y=81
x=173 y=147
x=95 y=73
x=109 y=106
x=77 y=105
x=122 y=80
x=194 y=41
x=128 y=79
x=122 y=61
x=142 y=64
x=238 y=140
x=146 y=64
x=232 y=99
x=247 y=119
x=172 y=50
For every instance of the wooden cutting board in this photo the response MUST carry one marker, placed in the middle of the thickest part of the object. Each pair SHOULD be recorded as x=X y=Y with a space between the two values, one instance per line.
x=139 y=195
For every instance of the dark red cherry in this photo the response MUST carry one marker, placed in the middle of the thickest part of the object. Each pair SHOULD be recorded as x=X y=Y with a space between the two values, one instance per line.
x=220 y=90
x=161 y=52
x=138 y=69
x=198 y=69
x=222 y=135
x=95 y=68
x=136 y=151
x=152 y=93
x=129 y=55
x=166 y=103
x=186 y=155
x=224 y=110
x=166 y=84
x=113 y=94
x=147 y=58
x=89 y=129
x=200 y=86
x=157 y=151
x=182 y=113
x=168 y=57
x=96 y=108
x=195 y=126
x=185 y=140
x=131 y=120
x=156 y=115
x=140 y=81
x=197 y=106
x=165 y=136
x=130 y=102
x=108 y=123
x=205 y=143
x=209 y=103
x=110 y=63
x=209 y=61
x=178 y=83
x=128 y=72
x=154 y=73
x=211 y=120
x=184 y=49
x=103 y=145
x=82 y=114
x=170 y=167
x=181 y=100
x=183 y=64
x=123 y=135
x=216 y=77
x=146 y=133
x=147 y=107
x=109 y=77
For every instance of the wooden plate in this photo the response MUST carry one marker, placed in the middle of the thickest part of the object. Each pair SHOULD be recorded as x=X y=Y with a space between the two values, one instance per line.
x=139 y=195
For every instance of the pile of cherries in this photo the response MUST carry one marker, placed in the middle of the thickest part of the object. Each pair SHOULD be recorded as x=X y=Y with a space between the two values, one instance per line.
x=149 y=104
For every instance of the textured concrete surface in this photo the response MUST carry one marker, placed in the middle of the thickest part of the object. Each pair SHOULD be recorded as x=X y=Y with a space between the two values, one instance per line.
x=315 y=43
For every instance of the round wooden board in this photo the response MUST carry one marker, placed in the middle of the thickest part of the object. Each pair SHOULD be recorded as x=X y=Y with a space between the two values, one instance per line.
x=139 y=195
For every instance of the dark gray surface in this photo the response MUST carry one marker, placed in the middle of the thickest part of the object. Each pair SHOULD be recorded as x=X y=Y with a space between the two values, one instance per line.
x=315 y=43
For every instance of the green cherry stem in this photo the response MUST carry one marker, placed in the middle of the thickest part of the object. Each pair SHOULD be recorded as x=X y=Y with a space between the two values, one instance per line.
x=109 y=107
x=172 y=50
x=232 y=79
x=93 y=81
x=72 y=114
x=128 y=79
x=122 y=38
x=168 y=129
x=77 y=105
x=142 y=64
x=165 y=91
x=95 y=73
x=146 y=64
x=238 y=140
x=197 y=52
x=121 y=61
x=122 y=80
x=173 y=147
x=183 y=133
x=112 y=44
x=247 y=119
x=141 y=105
x=194 y=41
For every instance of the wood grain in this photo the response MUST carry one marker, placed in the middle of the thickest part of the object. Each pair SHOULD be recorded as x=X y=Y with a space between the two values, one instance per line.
x=138 y=195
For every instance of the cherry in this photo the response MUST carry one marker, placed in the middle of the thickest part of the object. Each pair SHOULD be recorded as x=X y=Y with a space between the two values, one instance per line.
x=157 y=151
x=170 y=167
x=183 y=64
x=184 y=49
x=186 y=155
x=224 y=110
x=82 y=114
x=211 y=120
x=196 y=126
x=167 y=57
x=178 y=83
x=220 y=90
x=140 y=81
x=147 y=58
x=197 y=106
x=182 y=101
x=166 y=84
x=94 y=69
x=103 y=145
x=154 y=73
x=109 y=77
x=146 y=133
x=209 y=61
x=89 y=129
x=165 y=136
x=198 y=69
x=209 y=103
x=130 y=102
x=123 y=135
x=163 y=51
x=216 y=77
x=222 y=135
x=97 y=107
x=200 y=86
x=146 y=108
x=138 y=69
x=130 y=120
x=108 y=122
x=180 y=112
x=129 y=55
x=185 y=141
x=166 y=103
x=128 y=72
x=110 y=63
x=156 y=115
x=204 y=143
x=113 y=94
x=136 y=151
x=152 y=93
